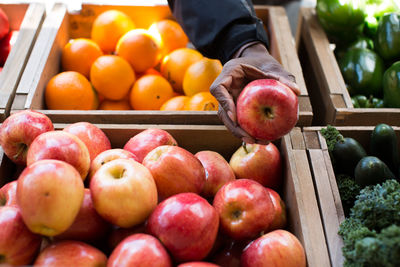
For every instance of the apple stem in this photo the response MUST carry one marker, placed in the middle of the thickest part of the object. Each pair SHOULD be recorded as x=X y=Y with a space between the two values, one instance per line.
x=244 y=147
x=269 y=113
x=21 y=150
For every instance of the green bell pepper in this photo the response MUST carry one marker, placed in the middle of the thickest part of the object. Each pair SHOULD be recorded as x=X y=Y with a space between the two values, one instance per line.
x=361 y=101
x=387 y=41
x=391 y=86
x=342 y=20
x=362 y=42
x=362 y=70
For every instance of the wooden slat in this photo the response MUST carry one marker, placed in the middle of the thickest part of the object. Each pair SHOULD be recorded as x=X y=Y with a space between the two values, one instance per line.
x=27 y=19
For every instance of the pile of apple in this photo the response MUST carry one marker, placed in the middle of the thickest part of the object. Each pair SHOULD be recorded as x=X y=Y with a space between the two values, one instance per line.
x=7 y=38
x=151 y=203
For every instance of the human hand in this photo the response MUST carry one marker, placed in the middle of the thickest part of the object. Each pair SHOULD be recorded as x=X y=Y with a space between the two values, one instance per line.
x=253 y=62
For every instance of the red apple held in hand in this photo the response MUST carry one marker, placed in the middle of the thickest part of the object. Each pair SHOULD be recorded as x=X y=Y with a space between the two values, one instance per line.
x=140 y=250
x=109 y=155
x=175 y=170
x=18 y=245
x=123 y=192
x=279 y=221
x=4 y=24
x=62 y=146
x=8 y=194
x=88 y=225
x=94 y=138
x=186 y=224
x=218 y=172
x=245 y=209
x=18 y=132
x=276 y=248
x=197 y=264
x=147 y=140
x=49 y=195
x=258 y=162
x=71 y=253
x=267 y=109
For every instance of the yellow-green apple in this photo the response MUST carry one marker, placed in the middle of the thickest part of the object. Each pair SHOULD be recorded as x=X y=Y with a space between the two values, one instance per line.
x=175 y=170
x=267 y=109
x=18 y=132
x=94 y=138
x=4 y=24
x=279 y=221
x=139 y=250
x=123 y=192
x=18 y=245
x=198 y=264
x=118 y=234
x=62 y=146
x=8 y=194
x=109 y=155
x=71 y=253
x=276 y=248
x=49 y=194
x=145 y=141
x=261 y=163
x=218 y=172
x=88 y=225
x=244 y=207
x=186 y=224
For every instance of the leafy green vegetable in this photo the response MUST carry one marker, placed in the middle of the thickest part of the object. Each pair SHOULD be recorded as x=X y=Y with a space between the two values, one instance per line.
x=332 y=136
x=348 y=190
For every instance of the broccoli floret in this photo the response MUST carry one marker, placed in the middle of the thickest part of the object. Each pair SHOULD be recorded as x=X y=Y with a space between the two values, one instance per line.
x=348 y=190
x=378 y=206
x=332 y=136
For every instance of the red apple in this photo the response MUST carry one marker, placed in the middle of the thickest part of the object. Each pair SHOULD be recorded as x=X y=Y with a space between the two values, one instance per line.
x=186 y=224
x=49 y=194
x=8 y=194
x=267 y=109
x=5 y=47
x=140 y=250
x=18 y=245
x=147 y=140
x=62 y=146
x=123 y=192
x=175 y=170
x=88 y=225
x=279 y=221
x=71 y=253
x=258 y=162
x=197 y=264
x=218 y=172
x=109 y=155
x=118 y=234
x=94 y=138
x=245 y=208
x=276 y=248
x=18 y=132
x=4 y=24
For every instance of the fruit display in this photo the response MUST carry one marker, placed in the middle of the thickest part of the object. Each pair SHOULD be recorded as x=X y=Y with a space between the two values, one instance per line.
x=80 y=198
x=366 y=35
x=123 y=67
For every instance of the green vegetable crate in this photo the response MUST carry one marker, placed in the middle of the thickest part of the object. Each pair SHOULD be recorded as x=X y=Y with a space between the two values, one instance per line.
x=328 y=92
x=329 y=200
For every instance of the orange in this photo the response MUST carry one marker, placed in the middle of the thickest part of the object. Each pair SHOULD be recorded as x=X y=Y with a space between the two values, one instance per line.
x=115 y=105
x=203 y=101
x=175 y=103
x=200 y=75
x=108 y=27
x=174 y=65
x=79 y=54
x=140 y=49
x=112 y=76
x=150 y=92
x=70 y=90
x=170 y=35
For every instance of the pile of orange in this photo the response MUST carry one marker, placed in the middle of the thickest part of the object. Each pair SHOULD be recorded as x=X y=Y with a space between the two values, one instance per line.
x=122 y=67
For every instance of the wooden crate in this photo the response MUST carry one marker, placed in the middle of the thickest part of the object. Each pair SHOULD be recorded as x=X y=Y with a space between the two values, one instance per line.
x=27 y=19
x=328 y=196
x=60 y=26
x=298 y=192
x=329 y=96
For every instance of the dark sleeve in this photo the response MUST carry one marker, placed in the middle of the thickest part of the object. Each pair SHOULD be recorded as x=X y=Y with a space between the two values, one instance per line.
x=217 y=28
